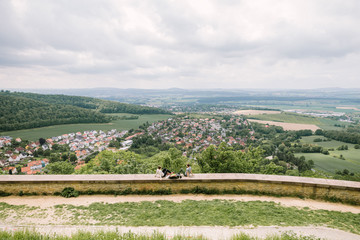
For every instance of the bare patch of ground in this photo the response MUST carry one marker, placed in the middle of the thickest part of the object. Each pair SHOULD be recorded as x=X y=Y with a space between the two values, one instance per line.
x=255 y=112
x=50 y=201
x=350 y=108
x=209 y=232
x=288 y=126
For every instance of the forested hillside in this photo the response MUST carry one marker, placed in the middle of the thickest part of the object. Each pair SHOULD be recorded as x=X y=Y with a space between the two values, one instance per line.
x=21 y=113
x=100 y=105
x=28 y=110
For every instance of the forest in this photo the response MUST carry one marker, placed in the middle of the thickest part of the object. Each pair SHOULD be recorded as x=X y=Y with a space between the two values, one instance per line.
x=29 y=110
x=21 y=113
x=103 y=106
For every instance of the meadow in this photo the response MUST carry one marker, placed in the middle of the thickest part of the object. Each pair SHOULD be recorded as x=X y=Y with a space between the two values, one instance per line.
x=56 y=130
x=327 y=144
x=332 y=162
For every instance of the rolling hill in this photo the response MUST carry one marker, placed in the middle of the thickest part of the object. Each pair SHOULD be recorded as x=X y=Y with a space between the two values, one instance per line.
x=28 y=110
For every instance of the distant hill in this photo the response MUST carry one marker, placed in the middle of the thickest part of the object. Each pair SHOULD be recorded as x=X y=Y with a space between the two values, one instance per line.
x=29 y=110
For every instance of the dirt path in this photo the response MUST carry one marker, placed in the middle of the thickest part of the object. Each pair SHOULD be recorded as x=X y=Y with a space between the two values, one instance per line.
x=49 y=201
x=210 y=232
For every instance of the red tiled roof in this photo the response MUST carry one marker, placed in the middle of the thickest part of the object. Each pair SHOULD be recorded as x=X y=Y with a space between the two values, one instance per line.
x=25 y=169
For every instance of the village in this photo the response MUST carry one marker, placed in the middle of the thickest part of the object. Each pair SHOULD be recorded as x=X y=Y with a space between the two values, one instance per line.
x=19 y=156
x=197 y=134
x=188 y=134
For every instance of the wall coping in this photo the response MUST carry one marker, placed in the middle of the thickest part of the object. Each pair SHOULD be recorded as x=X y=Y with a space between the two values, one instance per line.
x=216 y=177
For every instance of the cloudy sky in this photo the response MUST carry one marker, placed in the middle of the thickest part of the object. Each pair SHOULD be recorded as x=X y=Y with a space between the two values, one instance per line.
x=185 y=44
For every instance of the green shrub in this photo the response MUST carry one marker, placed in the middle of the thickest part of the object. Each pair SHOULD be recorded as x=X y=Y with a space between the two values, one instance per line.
x=4 y=194
x=69 y=192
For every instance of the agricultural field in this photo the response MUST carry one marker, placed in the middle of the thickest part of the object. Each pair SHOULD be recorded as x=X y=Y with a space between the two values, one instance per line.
x=324 y=123
x=332 y=162
x=120 y=124
x=203 y=116
x=255 y=112
x=288 y=126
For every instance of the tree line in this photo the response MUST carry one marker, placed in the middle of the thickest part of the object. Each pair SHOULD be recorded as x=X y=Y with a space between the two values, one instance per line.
x=348 y=136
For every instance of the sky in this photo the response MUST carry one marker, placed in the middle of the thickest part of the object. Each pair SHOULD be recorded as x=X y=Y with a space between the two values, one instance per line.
x=278 y=44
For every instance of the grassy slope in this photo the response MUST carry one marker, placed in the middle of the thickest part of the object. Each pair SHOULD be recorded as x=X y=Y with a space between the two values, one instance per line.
x=51 y=131
x=298 y=118
x=331 y=163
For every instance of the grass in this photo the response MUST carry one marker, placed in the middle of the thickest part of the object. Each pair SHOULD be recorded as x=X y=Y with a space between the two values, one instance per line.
x=51 y=131
x=207 y=213
x=111 y=235
x=185 y=213
x=328 y=144
x=331 y=163
x=203 y=116
x=287 y=117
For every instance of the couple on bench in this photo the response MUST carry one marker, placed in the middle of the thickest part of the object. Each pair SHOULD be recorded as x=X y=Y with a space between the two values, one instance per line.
x=162 y=173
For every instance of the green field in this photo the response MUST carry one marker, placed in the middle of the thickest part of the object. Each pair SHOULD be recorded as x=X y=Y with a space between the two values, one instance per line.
x=328 y=144
x=51 y=131
x=203 y=116
x=331 y=163
x=324 y=123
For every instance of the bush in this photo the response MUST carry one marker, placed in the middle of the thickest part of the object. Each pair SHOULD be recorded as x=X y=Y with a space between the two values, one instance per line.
x=317 y=140
x=4 y=194
x=69 y=192
x=325 y=152
x=343 y=147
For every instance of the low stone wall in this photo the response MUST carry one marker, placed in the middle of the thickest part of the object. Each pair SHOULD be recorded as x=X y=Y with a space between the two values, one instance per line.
x=344 y=191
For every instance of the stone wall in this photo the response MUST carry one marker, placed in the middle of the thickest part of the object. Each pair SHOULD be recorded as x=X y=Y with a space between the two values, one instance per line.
x=344 y=191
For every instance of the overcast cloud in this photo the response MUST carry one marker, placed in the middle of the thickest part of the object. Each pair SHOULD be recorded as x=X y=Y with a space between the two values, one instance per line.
x=186 y=44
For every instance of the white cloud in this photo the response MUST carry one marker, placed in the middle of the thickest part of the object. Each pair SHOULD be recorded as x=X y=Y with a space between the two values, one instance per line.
x=189 y=44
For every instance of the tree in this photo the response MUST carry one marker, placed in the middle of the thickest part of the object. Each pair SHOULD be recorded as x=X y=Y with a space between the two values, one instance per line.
x=272 y=168
x=73 y=157
x=319 y=132
x=18 y=169
x=64 y=156
x=59 y=168
x=225 y=160
x=173 y=160
x=40 y=151
x=47 y=152
x=54 y=157
x=42 y=141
